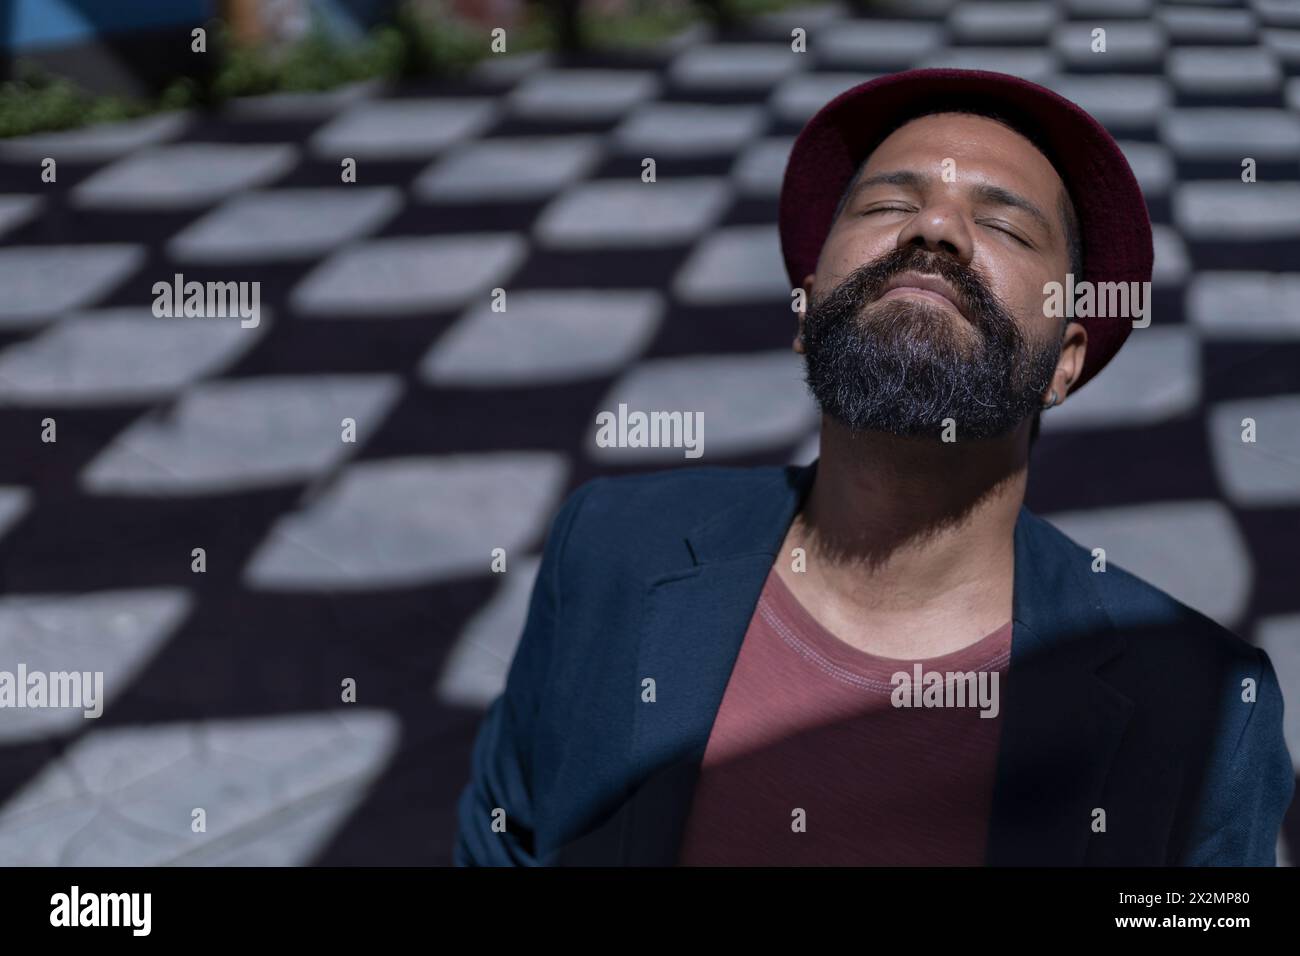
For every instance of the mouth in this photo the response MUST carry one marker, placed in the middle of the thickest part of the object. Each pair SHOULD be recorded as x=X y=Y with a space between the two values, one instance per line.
x=921 y=286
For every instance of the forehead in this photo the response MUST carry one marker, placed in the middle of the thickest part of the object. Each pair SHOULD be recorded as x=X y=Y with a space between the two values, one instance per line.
x=982 y=149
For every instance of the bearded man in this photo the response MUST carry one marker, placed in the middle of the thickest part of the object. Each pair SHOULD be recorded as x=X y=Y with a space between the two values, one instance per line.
x=885 y=658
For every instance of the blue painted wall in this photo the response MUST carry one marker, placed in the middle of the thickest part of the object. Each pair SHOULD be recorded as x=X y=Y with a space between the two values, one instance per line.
x=30 y=25
x=38 y=24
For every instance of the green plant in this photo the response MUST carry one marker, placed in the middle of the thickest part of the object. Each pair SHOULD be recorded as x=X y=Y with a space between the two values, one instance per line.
x=421 y=40
x=36 y=102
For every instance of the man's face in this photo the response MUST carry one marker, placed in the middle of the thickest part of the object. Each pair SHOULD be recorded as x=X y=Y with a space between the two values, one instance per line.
x=927 y=302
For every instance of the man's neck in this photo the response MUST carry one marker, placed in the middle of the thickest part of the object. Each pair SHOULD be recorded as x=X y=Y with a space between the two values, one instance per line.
x=909 y=542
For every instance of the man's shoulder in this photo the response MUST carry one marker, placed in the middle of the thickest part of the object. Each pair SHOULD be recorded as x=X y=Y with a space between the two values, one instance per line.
x=647 y=511
x=1138 y=607
x=718 y=480
x=678 y=497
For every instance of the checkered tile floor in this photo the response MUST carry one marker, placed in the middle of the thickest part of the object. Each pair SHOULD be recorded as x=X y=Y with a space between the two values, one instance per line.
x=329 y=560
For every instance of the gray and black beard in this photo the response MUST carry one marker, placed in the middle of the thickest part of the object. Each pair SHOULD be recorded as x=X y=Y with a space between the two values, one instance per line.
x=903 y=366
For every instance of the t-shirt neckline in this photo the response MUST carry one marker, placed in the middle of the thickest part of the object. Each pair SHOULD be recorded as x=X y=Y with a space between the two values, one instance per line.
x=988 y=653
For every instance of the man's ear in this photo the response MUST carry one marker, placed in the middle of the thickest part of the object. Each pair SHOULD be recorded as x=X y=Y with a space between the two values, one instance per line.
x=1074 y=347
x=807 y=296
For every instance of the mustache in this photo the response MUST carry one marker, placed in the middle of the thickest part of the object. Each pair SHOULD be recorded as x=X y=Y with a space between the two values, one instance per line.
x=972 y=292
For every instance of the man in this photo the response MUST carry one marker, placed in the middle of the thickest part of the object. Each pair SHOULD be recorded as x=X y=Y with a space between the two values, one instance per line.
x=885 y=658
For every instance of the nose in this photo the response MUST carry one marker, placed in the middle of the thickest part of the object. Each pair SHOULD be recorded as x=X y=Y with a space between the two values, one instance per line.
x=939 y=227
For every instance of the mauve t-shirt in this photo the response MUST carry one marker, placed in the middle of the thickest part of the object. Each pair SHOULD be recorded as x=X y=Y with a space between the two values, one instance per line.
x=810 y=763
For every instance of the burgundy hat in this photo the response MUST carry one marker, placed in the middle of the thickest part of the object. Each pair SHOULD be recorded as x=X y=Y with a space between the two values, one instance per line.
x=1113 y=222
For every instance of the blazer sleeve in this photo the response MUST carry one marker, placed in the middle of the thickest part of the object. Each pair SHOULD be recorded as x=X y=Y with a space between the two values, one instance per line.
x=1248 y=800
x=501 y=766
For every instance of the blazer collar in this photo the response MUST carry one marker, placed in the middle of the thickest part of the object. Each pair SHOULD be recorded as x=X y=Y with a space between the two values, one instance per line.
x=753 y=525
x=1053 y=598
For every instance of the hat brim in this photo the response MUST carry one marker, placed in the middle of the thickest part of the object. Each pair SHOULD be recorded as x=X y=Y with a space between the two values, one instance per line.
x=1114 y=225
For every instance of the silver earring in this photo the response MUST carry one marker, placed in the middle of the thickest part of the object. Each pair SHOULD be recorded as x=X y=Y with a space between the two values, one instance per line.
x=1051 y=400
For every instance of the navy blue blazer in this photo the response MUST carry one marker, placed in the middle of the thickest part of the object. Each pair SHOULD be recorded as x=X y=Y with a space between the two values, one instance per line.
x=1117 y=696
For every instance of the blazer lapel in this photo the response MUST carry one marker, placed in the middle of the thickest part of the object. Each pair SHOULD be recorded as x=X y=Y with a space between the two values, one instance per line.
x=695 y=622
x=1062 y=722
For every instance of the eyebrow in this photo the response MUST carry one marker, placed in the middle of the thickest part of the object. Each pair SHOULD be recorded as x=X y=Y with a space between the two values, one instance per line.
x=983 y=193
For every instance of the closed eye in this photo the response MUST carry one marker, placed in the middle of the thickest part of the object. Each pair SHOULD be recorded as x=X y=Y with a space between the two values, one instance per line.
x=1010 y=232
x=872 y=209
